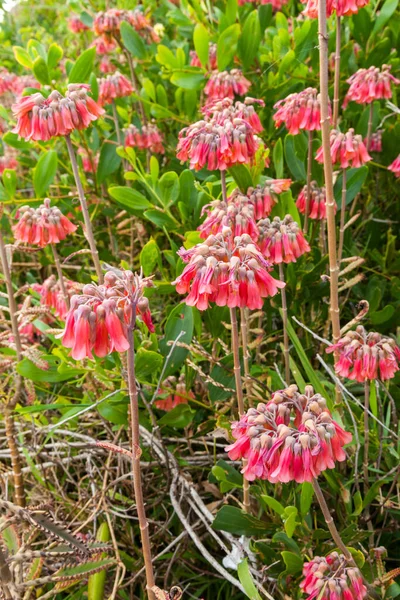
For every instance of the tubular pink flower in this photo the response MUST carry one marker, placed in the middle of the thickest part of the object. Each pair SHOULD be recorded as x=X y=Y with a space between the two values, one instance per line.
x=76 y=25
x=40 y=119
x=366 y=356
x=342 y=7
x=301 y=111
x=367 y=85
x=395 y=166
x=104 y=44
x=109 y=22
x=8 y=161
x=347 y=150
x=106 y=66
x=112 y=87
x=317 y=201
x=276 y=4
x=226 y=85
x=89 y=163
x=220 y=110
x=150 y=137
x=43 y=225
x=375 y=144
x=225 y=271
x=212 y=58
x=99 y=318
x=173 y=394
x=281 y=240
x=291 y=438
x=51 y=294
x=236 y=214
x=331 y=578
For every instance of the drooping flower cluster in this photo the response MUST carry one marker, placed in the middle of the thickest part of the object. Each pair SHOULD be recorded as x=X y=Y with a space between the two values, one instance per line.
x=343 y=8
x=106 y=66
x=14 y=84
x=43 y=225
x=264 y=197
x=226 y=108
x=219 y=141
x=293 y=437
x=109 y=22
x=112 y=87
x=301 y=111
x=99 y=320
x=212 y=58
x=226 y=84
x=317 y=201
x=150 y=137
x=375 y=143
x=51 y=294
x=347 y=150
x=366 y=356
x=330 y=578
x=276 y=4
x=8 y=161
x=76 y=25
x=173 y=393
x=40 y=118
x=89 y=162
x=367 y=85
x=228 y=272
x=104 y=44
x=237 y=214
x=281 y=240
x=395 y=166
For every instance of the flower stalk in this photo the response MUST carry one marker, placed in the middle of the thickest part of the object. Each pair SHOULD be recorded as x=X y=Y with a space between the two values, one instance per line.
x=308 y=192
x=285 y=328
x=342 y=216
x=336 y=85
x=60 y=274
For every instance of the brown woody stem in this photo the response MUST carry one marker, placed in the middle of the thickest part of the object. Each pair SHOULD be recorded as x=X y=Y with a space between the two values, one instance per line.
x=308 y=192
x=285 y=332
x=60 y=274
x=11 y=300
x=369 y=130
x=244 y=330
x=330 y=522
x=336 y=86
x=15 y=456
x=342 y=217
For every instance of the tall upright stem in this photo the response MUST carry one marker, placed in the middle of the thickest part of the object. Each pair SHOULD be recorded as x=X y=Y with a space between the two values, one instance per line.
x=366 y=436
x=285 y=328
x=11 y=300
x=60 y=274
x=370 y=119
x=116 y=122
x=244 y=330
x=336 y=87
x=137 y=478
x=85 y=210
x=342 y=217
x=18 y=478
x=330 y=522
x=308 y=192
x=330 y=200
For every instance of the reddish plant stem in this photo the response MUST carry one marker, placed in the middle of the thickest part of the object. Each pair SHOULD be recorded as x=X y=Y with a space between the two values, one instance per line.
x=308 y=192
x=60 y=274
x=85 y=210
x=336 y=86
x=370 y=120
x=137 y=477
x=342 y=217
x=244 y=330
x=285 y=328
x=330 y=522
x=116 y=122
x=11 y=300
x=328 y=175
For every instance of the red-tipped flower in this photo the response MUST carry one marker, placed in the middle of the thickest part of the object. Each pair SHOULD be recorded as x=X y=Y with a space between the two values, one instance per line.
x=43 y=225
x=8 y=161
x=367 y=85
x=276 y=4
x=330 y=578
x=104 y=44
x=317 y=201
x=51 y=294
x=366 y=356
x=342 y=7
x=173 y=393
x=237 y=214
x=212 y=58
x=41 y=119
x=229 y=273
x=347 y=150
x=226 y=85
x=109 y=23
x=291 y=438
x=281 y=240
x=395 y=166
x=264 y=197
x=150 y=137
x=301 y=111
x=76 y=25
x=89 y=162
x=112 y=87
x=99 y=319
x=375 y=143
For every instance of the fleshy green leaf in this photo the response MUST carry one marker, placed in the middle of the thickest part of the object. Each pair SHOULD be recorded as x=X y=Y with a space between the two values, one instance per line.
x=83 y=66
x=227 y=46
x=247 y=581
x=44 y=173
x=132 y=41
x=201 y=40
x=129 y=198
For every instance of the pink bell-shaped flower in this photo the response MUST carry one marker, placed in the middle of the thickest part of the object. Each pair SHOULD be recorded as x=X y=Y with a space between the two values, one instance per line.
x=281 y=240
x=43 y=225
x=331 y=578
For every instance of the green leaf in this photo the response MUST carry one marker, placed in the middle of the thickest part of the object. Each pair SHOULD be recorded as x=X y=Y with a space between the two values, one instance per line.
x=265 y=16
x=115 y=410
x=293 y=562
x=83 y=66
x=227 y=476
x=160 y=219
x=94 y=87
x=132 y=41
x=273 y=503
x=54 y=55
x=384 y=15
x=358 y=505
x=44 y=173
x=22 y=57
x=277 y=157
x=150 y=255
x=147 y=363
x=86 y=568
x=381 y=316
x=109 y=160
x=129 y=198
x=97 y=582
x=247 y=581
x=234 y=520
x=190 y=78
x=11 y=139
x=290 y=520
x=41 y=71
x=28 y=369
x=249 y=41
x=354 y=181
x=166 y=57
x=242 y=177
x=10 y=182
x=179 y=320
x=306 y=496
x=227 y=46
x=180 y=417
x=201 y=41
x=169 y=188
x=294 y=157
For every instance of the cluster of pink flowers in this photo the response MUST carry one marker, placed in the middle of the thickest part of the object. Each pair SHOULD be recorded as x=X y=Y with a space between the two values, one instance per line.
x=375 y=143
x=109 y=22
x=222 y=139
x=317 y=208
x=367 y=85
x=281 y=240
x=329 y=578
x=300 y=111
x=89 y=162
x=104 y=44
x=43 y=225
x=8 y=161
x=40 y=118
x=112 y=87
x=150 y=137
x=228 y=272
x=51 y=294
x=347 y=150
x=395 y=166
x=106 y=66
x=364 y=356
x=227 y=109
x=343 y=8
x=226 y=84
x=276 y=4
x=237 y=214
x=99 y=319
x=291 y=438
x=212 y=58
x=76 y=25
x=265 y=196
x=173 y=394
x=14 y=84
